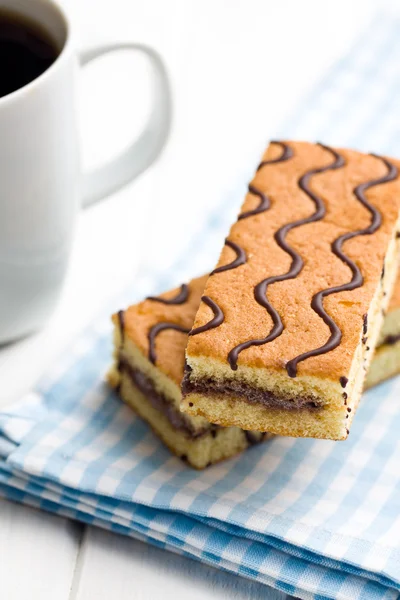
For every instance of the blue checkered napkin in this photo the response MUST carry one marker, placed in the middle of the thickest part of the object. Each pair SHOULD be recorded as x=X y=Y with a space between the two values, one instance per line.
x=306 y=516
x=314 y=519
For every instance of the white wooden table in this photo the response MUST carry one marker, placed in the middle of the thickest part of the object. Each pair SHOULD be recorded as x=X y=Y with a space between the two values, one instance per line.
x=237 y=68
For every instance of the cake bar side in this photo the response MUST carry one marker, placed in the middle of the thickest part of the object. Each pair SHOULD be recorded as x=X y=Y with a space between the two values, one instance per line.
x=391 y=324
x=153 y=393
x=385 y=364
x=200 y=452
x=161 y=389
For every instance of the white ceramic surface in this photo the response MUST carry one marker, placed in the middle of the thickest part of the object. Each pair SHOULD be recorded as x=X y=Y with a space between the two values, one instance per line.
x=41 y=182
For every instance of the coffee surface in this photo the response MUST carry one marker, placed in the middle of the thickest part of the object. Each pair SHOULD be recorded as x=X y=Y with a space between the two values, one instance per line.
x=26 y=51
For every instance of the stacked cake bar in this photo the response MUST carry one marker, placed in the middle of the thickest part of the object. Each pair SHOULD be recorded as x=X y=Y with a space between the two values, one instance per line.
x=150 y=340
x=280 y=336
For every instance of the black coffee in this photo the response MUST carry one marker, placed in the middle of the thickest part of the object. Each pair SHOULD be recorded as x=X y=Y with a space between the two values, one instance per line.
x=26 y=51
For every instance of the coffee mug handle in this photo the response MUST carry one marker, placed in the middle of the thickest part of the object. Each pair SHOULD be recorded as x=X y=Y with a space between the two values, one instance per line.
x=145 y=149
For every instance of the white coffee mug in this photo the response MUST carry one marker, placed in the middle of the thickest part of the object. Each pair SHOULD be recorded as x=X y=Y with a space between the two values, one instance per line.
x=41 y=182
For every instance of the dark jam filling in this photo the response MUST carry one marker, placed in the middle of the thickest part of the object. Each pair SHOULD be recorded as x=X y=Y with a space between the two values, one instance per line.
x=177 y=419
x=252 y=395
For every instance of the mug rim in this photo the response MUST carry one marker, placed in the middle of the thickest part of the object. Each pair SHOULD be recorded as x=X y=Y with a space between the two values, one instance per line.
x=60 y=57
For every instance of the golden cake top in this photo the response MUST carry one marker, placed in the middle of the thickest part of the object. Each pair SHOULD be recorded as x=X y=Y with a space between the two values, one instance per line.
x=158 y=326
x=302 y=263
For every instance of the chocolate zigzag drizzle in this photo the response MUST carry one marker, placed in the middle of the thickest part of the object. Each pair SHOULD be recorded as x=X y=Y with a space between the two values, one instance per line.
x=180 y=298
x=287 y=153
x=216 y=321
x=260 y=290
x=357 y=279
x=158 y=328
x=264 y=205
x=240 y=259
